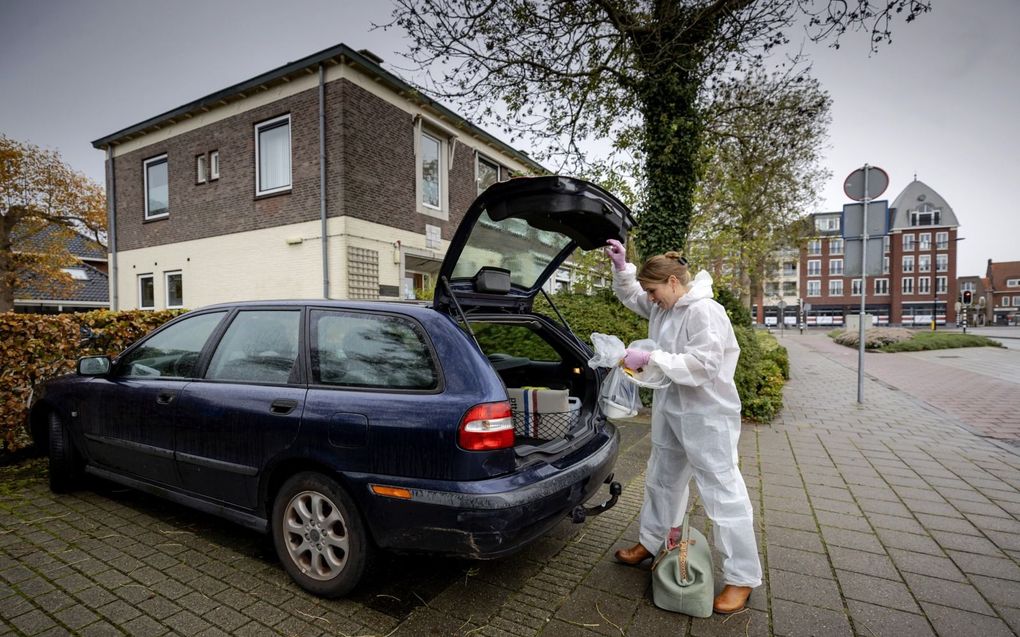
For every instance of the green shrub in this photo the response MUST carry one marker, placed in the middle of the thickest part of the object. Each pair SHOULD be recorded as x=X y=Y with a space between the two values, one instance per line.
x=737 y=311
x=874 y=338
x=37 y=347
x=922 y=341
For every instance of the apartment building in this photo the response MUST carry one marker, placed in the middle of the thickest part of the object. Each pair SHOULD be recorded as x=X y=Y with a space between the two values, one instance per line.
x=328 y=177
x=1002 y=293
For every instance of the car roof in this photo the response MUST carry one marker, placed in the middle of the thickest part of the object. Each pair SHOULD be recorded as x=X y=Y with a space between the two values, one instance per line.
x=414 y=308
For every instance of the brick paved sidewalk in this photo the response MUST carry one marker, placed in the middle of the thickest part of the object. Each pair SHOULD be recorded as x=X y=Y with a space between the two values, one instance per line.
x=889 y=518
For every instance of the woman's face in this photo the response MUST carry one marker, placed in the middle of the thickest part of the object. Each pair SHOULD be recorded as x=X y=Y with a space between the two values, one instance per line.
x=665 y=295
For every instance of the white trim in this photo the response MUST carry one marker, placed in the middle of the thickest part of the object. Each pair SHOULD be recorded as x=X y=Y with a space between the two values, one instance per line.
x=214 y=165
x=1012 y=283
x=886 y=286
x=138 y=287
x=166 y=289
x=903 y=287
x=422 y=129
x=145 y=185
x=201 y=169
x=271 y=123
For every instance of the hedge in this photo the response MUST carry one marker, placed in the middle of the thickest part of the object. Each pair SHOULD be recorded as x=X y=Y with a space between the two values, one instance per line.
x=37 y=347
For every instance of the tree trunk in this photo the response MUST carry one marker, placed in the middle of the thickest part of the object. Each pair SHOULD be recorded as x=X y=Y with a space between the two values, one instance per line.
x=7 y=274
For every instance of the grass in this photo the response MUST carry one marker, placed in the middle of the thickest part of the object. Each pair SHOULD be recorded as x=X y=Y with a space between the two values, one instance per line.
x=922 y=341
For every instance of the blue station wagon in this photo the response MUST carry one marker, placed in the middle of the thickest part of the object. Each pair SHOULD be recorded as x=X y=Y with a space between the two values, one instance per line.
x=345 y=427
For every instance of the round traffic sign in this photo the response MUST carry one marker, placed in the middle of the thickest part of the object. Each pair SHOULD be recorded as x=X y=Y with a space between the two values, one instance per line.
x=878 y=181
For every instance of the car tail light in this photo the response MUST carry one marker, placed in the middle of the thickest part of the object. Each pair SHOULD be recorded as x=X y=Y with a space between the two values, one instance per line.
x=487 y=426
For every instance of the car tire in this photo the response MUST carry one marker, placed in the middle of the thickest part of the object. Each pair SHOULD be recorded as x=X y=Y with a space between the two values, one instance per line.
x=319 y=535
x=65 y=468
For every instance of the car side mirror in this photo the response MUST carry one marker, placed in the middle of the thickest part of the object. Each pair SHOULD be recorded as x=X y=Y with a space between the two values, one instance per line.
x=94 y=365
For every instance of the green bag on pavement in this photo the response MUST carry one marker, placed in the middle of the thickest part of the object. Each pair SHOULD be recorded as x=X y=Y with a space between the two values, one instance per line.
x=682 y=579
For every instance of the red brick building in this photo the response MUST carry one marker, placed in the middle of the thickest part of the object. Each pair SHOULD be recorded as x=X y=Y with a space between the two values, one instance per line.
x=918 y=279
x=1002 y=293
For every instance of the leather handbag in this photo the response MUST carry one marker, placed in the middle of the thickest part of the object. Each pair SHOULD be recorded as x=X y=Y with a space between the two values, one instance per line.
x=682 y=579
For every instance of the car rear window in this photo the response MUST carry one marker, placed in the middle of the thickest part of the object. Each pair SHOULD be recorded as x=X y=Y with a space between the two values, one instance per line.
x=513 y=340
x=352 y=349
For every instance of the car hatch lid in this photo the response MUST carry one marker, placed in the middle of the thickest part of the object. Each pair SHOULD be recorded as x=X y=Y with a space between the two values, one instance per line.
x=523 y=230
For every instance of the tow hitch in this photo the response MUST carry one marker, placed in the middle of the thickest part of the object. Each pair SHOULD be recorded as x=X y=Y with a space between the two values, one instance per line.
x=581 y=512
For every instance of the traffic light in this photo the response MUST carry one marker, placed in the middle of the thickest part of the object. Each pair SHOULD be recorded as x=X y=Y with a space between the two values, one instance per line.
x=967 y=297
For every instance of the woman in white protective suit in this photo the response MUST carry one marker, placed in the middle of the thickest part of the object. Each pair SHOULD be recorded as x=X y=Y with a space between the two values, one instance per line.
x=695 y=420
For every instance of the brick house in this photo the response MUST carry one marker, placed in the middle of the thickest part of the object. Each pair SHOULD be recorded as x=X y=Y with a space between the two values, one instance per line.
x=1002 y=293
x=88 y=288
x=918 y=279
x=229 y=197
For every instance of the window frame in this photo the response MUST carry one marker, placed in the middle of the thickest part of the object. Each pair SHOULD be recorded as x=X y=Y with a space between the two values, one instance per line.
x=270 y=124
x=924 y=263
x=201 y=169
x=885 y=286
x=146 y=163
x=445 y=140
x=1012 y=283
x=833 y=285
x=856 y=284
x=942 y=263
x=481 y=158
x=818 y=289
x=909 y=242
x=814 y=267
x=942 y=240
x=907 y=258
x=941 y=285
x=814 y=247
x=835 y=242
x=904 y=285
x=924 y=241
x=832 y=267
x=924 y=285
x=138 y=288
x=166 y=289
x=214 y=165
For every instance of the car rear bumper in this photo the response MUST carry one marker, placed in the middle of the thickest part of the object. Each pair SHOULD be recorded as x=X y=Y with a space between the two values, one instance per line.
x=489 y=518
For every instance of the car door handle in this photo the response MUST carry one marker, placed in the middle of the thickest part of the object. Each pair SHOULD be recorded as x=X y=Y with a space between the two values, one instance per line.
x=165 y=397
x=281 y=406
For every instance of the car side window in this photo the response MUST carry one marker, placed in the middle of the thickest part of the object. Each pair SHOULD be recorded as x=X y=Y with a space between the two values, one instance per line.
x=173 y=352
x=259 y=346
x=363 y=350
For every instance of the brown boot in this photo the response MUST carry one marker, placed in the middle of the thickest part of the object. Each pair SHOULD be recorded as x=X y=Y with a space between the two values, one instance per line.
x=634 y=555
x=731 y=599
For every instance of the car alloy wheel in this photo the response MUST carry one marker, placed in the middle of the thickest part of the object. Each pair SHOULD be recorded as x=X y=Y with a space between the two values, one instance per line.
x=319 y=535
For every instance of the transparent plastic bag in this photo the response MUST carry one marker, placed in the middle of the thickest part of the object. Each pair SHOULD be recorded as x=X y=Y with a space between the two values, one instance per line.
x=650 y=376
x=619 y=398
x=609 y=350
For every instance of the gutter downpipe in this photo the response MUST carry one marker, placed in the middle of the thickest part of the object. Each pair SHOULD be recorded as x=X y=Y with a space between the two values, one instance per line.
x=111 y=206
x=322 y=180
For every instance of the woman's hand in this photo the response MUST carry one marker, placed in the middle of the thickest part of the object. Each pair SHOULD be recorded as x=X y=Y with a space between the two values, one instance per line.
x=617 y=254
x=636 y=359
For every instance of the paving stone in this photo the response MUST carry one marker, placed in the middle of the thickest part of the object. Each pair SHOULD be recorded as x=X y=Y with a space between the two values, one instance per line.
x=32 y=622
x=790 y=520
x=76 y=617
x=940 y=523
x=144 y=626
x=878 y=620
x=885 y=507
x=875 y=590
x=952 y=622
x=649 y=620
x=968 y=543
x=844 y=521
x=1005 y=541
x=813 y=591
x=746 y=623
x=794 y=539
x=863 y=562
x=946 y=593
x=94 y=597
x=795 y=560
x=186 y=623
x=101 y=629
x=984 y=565
x=924 y=564
x=581 y=608
x=997 y=591
x=933 y=508
x=791 y=618
x=908 y=542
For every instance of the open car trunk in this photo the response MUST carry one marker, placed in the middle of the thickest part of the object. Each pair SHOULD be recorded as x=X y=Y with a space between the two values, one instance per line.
x=552 y=391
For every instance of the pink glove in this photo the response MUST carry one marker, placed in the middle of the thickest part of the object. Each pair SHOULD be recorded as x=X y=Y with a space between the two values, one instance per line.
x=617 y=254
x=636 y=359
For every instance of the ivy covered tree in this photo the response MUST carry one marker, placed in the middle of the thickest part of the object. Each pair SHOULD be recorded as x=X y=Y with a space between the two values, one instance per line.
x=633 y=73
x=762 y=167
x=42 y=203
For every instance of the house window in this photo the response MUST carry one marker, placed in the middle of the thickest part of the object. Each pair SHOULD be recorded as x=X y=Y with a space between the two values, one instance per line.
x=1012 y=283
x=836 y=266
x=885 y=243
x=925 y=215
x=908 y=242
x=814 y=267
x=923 y=285
x=789 y=288
x=967 y=287
x=925 y=241
x=941 y=284
x=827 y=223
x=942 y=240
x=855 y=287
x=272 y=156
x=157 y=187
x=814 y=288
x=881 y=287
x=835 y=246
x=924 y=263
x=174 y=284
x=836 y=287
x=486 y=173
x=907 y=285
x=885 y=265
x=908 y=263
x=200 y=169
x=814 y=246
x=214 y=165
x=431 y=171
x=790 y=268
x=1016 y=301
x=146 y=292
x=941 y=262
x=78 y=274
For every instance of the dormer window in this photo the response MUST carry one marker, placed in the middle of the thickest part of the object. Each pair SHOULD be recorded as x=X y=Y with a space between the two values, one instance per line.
x=926 y=215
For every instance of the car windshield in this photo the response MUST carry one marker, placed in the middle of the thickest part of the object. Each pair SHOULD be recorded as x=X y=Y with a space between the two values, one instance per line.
x=511 y=244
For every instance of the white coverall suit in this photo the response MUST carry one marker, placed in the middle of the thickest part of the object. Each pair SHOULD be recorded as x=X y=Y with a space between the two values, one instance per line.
x=695 y=424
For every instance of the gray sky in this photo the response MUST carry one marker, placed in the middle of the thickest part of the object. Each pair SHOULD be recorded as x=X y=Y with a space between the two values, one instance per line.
x=940 y=101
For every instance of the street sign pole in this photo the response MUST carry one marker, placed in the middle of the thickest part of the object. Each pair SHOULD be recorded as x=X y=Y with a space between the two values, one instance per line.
x=864 y=294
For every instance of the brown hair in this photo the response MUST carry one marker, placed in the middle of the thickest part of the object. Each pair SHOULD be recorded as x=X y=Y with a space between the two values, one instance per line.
x=659 y=268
